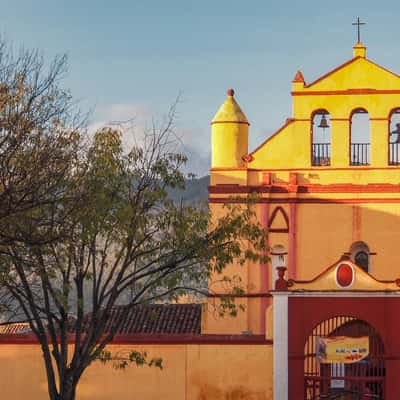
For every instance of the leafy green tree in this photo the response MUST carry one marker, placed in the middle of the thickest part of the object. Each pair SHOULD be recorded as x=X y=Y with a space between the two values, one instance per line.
x=105 y=233
x=40 y=141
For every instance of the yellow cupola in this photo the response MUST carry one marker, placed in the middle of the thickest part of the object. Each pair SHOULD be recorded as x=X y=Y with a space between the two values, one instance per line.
x=230 y=133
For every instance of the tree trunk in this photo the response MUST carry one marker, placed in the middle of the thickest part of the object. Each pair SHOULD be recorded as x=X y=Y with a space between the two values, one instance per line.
x=68 y=388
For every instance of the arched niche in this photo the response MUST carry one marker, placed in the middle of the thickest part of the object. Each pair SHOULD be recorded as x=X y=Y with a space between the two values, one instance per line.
x=361 y=255
x=320 y=138
x=360 y=137
x=394 y=137
x=279 y=221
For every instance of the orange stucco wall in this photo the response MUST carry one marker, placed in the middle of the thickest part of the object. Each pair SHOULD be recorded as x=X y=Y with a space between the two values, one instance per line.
x=191 y=372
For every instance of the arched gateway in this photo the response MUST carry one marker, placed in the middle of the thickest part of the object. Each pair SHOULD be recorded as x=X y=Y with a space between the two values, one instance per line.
x=336 y=336
x=353 y=380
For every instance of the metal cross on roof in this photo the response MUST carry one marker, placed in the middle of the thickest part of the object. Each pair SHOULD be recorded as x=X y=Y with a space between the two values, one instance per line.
x=358 y=23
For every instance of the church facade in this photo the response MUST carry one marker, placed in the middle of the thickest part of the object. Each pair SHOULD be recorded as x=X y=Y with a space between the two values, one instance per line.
x=321 y=318
x=328 y=190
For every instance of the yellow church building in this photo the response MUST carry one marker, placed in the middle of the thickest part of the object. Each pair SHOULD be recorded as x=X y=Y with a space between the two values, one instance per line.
x=321 y=319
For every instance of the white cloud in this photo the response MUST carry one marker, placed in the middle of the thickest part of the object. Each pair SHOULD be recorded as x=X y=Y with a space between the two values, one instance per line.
x=135 y=119
x=133 y=115
x=198 y=162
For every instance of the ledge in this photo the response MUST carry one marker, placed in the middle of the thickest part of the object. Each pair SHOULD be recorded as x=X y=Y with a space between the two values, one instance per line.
x=29 y=339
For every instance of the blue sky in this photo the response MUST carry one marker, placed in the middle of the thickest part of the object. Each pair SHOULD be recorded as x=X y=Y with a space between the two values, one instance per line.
x=132 y=58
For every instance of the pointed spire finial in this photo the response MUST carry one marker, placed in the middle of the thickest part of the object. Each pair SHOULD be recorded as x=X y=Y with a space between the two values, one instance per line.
x=298 y=77
x=230 y=111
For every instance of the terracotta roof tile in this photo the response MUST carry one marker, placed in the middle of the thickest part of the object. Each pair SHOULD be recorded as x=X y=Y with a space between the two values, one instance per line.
x=18 y=327
x=147 y=319
x=158 y=319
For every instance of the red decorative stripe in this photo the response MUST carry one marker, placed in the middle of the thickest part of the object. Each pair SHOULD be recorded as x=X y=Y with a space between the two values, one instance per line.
x=292 y=240
x=230 y=122
x=299 y=169
x=264 y=270
x=289 y=200
x=348 y=292
x=22 y=338
x=191 y=339
x=244 y=295
x=344 y=92
x=155 y=339
x=228 y=169
x=307 y=188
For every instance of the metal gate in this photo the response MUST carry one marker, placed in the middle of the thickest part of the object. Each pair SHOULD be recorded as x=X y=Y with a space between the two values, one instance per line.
x=358 y=381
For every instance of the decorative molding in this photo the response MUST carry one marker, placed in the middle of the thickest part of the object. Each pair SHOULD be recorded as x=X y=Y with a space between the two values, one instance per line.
x=264 y=275
x=336 y=293
x=247 y=158
x=244 y=295
x=230 y=122
x=302 y=169
x=290 y=200
x=306 y=188
x=340 y=266
x=29 y=339
x=281 y=283
x=274 y=213
x=228 y=169
x=292 y=240
x=344 y=92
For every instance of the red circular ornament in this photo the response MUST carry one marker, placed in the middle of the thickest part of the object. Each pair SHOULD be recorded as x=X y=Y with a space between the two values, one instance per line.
x=344 y=275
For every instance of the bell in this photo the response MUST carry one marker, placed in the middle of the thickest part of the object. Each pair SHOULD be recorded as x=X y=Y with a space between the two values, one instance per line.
x=323 y=123
x=396 y=132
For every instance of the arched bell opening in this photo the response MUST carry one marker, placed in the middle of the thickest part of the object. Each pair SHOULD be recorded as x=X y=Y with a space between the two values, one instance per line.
x=321 y=138
x=394 y=137
x=361 y=255
x=360 y=137
x=331 y=368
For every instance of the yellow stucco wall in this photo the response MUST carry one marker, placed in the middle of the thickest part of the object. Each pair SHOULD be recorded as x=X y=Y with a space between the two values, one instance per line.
x=359 y=83
x=191 y=372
